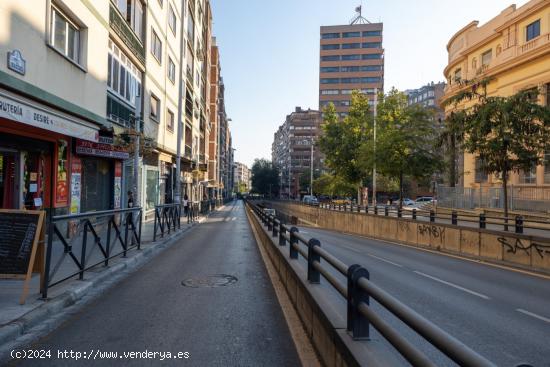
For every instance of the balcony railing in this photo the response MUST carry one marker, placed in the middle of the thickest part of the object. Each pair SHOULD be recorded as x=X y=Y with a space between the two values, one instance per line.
x=123 y=30
x=533 y=44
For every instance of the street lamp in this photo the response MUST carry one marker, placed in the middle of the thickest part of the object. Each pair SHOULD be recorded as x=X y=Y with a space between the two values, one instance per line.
x=374 y=166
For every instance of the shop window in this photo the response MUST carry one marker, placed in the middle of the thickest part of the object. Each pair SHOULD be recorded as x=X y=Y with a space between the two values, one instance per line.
x=65 y=35
x=62 y=184
x=152 y=189
x=97 y=184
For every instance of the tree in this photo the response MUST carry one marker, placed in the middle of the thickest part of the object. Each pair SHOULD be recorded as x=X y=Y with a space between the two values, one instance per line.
x=507 y=134
x=341 y=140
x=333 y=186
x=451 y=139
x=405 y=141
x=265 y=178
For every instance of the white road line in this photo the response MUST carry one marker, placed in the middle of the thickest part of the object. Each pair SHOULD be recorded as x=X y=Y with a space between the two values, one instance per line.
x=388 y=261
x=533 y=315
x=351 y=249
x=452 y=285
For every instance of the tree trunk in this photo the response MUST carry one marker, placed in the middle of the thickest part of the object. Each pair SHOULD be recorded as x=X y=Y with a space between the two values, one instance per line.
x=505 y=191
x=452 y=165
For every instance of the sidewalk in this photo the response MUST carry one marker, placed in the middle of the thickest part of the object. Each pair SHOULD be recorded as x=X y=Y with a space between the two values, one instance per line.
x=16 y=319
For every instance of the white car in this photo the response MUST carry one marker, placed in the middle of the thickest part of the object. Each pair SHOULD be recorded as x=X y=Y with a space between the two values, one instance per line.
x=408 y=202
x=424 y=200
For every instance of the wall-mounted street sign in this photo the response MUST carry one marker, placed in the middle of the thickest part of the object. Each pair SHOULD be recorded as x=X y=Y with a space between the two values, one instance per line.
x=16 y=62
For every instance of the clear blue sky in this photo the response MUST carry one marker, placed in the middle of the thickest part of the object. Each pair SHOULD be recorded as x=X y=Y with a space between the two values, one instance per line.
x=269 y=52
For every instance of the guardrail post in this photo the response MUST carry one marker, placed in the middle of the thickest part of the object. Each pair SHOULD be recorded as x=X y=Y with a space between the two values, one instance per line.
x=367 y=209
x=358 y=208
x=357 y=324
x=269 y=222
x=313 y=274
x=293 y=240
x=519 y=224
x=482 y=221
x=454 y=218
x=282 y=239
x=274 y=227
x=432 y=216
x=376 y=210
x=399 y=213
x=414 y=214
x=386 y=211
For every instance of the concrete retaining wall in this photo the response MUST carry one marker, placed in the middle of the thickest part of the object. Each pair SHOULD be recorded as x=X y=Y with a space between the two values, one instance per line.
x=523 y=251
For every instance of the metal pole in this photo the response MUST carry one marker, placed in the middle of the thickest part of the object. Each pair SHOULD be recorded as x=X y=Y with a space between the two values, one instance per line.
x=311 y=170
x=181 y=93
x=374 y=168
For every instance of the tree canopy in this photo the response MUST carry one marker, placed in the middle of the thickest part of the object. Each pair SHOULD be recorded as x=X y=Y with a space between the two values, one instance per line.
x=265 y=178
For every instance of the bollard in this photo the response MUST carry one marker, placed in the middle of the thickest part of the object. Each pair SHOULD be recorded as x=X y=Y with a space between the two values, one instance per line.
x=399 y=212
x=432 y=216
x=454 y=218
x=376 y=210
x=269 y=223
x=282 y=239
x=313 y=275
x=274 y=232
x=386 y=211
x=482 y=221
x=367 y=209
x=357 y=324
x=519 y=224
x=414 y=214
x=358 y=208
x=293 y=240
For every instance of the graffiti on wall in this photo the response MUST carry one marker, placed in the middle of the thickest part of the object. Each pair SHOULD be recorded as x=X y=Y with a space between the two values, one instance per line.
x=435 y=232
x=518 y=245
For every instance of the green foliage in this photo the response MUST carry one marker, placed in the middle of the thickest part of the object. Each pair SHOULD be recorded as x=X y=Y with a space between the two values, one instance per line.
x=341 y=140
x=265 y=178
x=333 y=186
x=451 y=139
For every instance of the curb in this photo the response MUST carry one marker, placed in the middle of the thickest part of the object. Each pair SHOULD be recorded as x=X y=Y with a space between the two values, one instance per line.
x=19 y=327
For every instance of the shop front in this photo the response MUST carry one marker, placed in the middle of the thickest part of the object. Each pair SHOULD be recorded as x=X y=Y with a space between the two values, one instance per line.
x=35 y=153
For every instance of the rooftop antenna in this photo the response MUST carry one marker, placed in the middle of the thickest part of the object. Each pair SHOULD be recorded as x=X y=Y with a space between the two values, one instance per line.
x=359 y=19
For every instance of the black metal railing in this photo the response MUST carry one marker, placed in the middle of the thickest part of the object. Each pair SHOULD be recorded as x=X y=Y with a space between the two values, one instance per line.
x=167 y=219
x=192 y=211
x=358 y=291
x=79 y=237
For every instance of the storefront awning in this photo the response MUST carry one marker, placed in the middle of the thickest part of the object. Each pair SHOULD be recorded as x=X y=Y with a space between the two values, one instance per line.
x=25 y=111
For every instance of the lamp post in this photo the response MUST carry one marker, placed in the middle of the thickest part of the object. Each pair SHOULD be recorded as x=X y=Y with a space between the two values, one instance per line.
x=311 y=169
x=374 y=166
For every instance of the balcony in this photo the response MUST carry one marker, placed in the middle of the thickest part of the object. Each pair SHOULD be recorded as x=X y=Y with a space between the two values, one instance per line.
x=533 y=44
x=121 y=27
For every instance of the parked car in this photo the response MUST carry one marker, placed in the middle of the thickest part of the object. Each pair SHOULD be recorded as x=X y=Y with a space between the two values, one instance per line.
x=270 y=211
x=408 y=202
x=424 y=200
x=310 y=199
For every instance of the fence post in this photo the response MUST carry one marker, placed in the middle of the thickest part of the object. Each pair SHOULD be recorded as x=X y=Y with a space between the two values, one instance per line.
x=357 y=324
x=454 y=218
x=414 y=214
x=313 y=275
x=108 y=244
x=482 y=221
x=358 y=208
x=293 y=240
x=519 y=224
x=432 y=216
x=155 y=225
x=386 y=211
x=376 y=210
x=274 y=227
x=46 y=281
x=139 y=231
x=282 y=231
x=83 y=249
x=367 y=209
x=269 y=222
x=399 y=212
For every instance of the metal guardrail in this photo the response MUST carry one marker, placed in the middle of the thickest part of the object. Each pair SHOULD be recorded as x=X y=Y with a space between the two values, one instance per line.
x=106 y=228
x=192 y=212
x=167 y=218
x=358 y=291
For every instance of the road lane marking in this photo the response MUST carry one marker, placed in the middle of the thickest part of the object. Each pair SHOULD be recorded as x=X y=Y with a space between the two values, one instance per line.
x=533 y=315
x=351 y=249
x=452 y=285
x=388 y=261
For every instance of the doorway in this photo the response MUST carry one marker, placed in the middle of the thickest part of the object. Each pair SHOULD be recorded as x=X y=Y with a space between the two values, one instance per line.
x=9 y=180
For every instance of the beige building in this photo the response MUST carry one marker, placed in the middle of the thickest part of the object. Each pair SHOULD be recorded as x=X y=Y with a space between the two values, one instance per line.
x=514 y=50
x=242 y=177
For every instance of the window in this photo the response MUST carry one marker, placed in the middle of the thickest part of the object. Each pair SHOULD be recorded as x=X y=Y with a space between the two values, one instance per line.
x=348 y=69
x=351 y=57
x=191 y=29
x=458 y=75
x=172 y=20
x=155 y=108
x=372 y=45
x=169 y=120
x=351 y=34
x=480 y=174
x=372 y=33
x=486 y=57
x=330 y=58
x=65 y=36
x=171 y=70
x=371 y=68
x=431 y=93
x=533 y=30
x=330 y=47
x=371 y=56
x=528 y=177
x=329 y=92
x=123 y=77
x=136 y=20
x=346 y=91
x=330 y=35
x=330 y=81
x=348 y=46
x=156 y=46
x=330 y=69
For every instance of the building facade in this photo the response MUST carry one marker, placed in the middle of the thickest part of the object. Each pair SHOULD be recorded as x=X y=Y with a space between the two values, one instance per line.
x=242 y=178
x=89 y=99
x=351 y=58
x=294 y=144
x=513 y=50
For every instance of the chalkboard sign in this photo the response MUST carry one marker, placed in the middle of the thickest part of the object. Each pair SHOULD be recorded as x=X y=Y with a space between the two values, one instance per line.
x=19 y=234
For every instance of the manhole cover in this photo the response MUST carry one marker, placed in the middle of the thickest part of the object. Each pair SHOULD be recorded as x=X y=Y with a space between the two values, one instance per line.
x=210 y=281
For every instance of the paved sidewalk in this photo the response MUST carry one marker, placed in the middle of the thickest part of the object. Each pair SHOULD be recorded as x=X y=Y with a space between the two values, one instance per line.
x=208 y=297
x=16 y=319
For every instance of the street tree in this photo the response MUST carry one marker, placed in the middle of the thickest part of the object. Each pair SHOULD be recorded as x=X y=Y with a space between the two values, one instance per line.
x=405 y=141
x=332 y=186
x=451 y=139
x=265 y=178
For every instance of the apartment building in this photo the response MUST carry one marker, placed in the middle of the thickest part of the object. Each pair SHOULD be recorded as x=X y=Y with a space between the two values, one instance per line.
x=351 y=58
x=513 y=50
x=242 y=177
x=292 y=149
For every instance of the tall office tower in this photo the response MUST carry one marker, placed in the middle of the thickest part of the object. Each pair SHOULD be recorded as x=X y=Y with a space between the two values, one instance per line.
x=352 y=58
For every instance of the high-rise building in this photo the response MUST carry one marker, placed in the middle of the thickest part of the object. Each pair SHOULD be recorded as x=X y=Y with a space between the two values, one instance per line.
x=242 y=177
x=351 y=58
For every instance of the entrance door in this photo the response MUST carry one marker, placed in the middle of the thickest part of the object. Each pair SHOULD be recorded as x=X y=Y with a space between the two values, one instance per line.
x=9 y=180
x=97 y=185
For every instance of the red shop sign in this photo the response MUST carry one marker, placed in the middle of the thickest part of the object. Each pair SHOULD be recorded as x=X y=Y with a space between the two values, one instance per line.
x=85 y=147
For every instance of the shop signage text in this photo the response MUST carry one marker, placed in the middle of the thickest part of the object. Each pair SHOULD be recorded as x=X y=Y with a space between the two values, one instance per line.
x=100 y=150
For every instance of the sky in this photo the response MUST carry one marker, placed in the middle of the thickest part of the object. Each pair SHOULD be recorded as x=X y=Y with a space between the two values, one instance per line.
x=269 y=53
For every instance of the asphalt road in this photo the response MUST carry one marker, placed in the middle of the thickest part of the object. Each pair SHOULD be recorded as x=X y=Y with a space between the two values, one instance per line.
x=501 y=314
x=239 y=324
